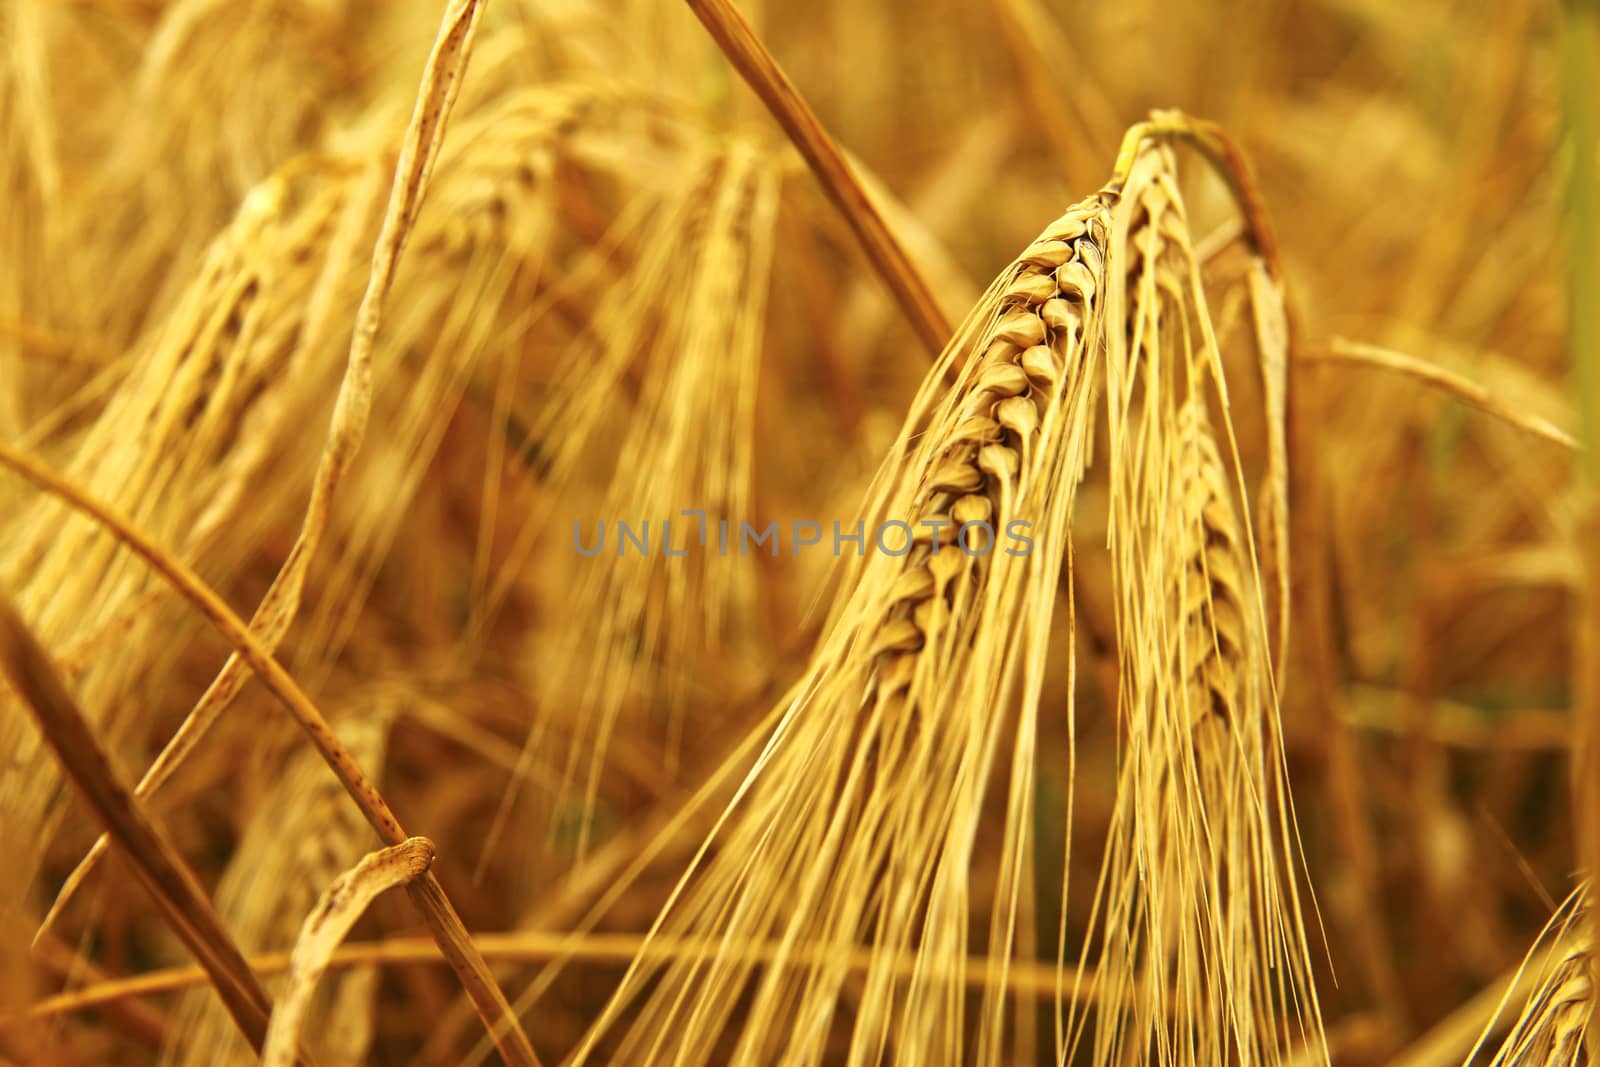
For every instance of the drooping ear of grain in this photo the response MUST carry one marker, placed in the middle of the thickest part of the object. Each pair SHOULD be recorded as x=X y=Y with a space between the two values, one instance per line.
x=180 y=447
x=856 y=827
x=667 y=615
x=304 y=833
x=1555 y=1020
x=286 y=350
x=1203 y=956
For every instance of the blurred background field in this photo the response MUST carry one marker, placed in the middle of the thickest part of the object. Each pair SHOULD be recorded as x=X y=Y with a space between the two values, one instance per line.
x=623 y=295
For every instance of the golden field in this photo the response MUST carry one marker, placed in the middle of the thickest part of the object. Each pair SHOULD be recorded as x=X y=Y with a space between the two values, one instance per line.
x=1009 y=532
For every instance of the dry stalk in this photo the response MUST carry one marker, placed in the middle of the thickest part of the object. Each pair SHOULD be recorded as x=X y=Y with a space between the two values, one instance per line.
x=427 y=894
x=436 y=95
x=762 y=73
x=158 y=865
x=327 y=926
x=1461 y=387
x=440 y=84
x=522 y=946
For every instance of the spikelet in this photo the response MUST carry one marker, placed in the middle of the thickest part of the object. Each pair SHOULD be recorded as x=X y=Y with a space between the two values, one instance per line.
x=1554 y=1023
x=298 y=359
x=464 y=298
x=169 y=182
x=304 y=833
x=856 y=827
x=662 y=625
x=1203 y=954
x=209 y=397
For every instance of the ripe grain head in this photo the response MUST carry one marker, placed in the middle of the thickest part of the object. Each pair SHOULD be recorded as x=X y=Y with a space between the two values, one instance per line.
x=1200 y=924
x=932 y=658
